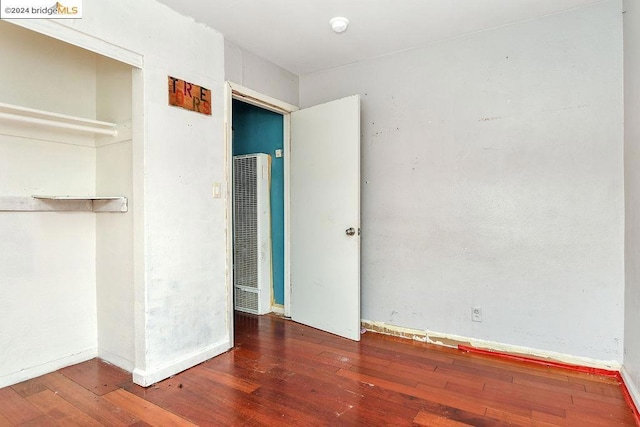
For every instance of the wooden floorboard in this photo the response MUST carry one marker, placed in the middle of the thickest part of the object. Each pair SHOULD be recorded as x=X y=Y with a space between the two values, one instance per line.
x=283 y=373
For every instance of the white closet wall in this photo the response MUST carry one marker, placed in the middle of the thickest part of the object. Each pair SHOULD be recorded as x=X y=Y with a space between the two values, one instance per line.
x=114 y=232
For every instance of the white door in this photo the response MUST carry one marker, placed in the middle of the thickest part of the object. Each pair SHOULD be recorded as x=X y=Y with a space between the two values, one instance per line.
x=325 y=217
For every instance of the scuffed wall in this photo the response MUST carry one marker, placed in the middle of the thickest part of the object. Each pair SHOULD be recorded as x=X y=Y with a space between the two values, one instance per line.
x=492 y=177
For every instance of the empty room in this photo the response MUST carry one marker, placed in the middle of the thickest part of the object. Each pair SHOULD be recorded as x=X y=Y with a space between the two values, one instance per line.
x=320 y=212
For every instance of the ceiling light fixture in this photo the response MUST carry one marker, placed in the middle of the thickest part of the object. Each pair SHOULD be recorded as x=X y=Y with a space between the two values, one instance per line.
x=339 y=24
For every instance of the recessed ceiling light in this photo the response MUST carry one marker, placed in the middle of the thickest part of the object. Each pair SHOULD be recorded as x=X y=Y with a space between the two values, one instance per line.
x=339 y=24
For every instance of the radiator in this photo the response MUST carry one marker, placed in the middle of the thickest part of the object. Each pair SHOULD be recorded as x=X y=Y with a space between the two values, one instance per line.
x=252 y=278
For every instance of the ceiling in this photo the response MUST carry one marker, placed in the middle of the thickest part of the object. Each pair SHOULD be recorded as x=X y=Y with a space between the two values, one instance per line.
x=295 y=34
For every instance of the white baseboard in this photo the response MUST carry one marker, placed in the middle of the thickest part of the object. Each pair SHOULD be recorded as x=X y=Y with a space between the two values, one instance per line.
x=631 y=386
x=46 y=368
x=147 y=377
x=449 y=340
x=116 y=360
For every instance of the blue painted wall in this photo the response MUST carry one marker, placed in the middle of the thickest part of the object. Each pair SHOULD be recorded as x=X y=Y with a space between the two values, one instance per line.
x=256 y=130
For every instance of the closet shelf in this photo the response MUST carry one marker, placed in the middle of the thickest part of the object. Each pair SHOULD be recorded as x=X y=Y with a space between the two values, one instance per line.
x=61 y=121
x=40 y=203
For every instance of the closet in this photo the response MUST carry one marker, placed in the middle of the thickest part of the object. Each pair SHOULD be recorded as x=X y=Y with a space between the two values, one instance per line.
x=65 y=206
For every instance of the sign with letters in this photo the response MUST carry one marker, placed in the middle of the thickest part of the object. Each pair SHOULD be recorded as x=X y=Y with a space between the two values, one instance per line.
x=189 y=96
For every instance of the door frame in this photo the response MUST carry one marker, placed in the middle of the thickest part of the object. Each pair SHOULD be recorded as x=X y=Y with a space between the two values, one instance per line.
x=250 y=96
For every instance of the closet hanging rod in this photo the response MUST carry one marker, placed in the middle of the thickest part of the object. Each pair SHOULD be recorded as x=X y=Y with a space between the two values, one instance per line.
x=61 y=121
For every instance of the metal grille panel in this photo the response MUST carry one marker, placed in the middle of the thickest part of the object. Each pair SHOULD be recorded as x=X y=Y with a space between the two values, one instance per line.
x=252 y=279
x=246 y=300
x=245 y=222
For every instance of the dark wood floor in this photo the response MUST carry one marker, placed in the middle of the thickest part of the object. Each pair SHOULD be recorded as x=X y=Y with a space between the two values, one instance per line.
x=282 y=373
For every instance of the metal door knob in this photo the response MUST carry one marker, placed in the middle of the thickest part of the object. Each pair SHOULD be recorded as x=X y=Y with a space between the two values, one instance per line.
x=350 y=231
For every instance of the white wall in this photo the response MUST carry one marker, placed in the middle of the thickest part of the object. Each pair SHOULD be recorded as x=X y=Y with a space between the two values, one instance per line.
x=52 y=87
x=631 y=368
x=492 y=177
x=179 y=245
x=114 y=232
x=179 y=229
x=114 y=258
x=254 y=72
x=47 y=260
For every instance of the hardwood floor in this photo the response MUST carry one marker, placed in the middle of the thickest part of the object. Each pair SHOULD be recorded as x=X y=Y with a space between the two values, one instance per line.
x=283 y=373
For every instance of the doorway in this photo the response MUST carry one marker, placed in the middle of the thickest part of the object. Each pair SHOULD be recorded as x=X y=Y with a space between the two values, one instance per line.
x=256 y=130
x=321 y=159
x=238 y=93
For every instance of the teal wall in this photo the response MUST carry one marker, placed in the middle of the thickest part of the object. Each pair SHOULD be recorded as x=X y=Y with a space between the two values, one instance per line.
x=256 y=130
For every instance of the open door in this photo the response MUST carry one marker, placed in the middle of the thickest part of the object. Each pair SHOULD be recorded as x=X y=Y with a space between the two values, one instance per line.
x=325 y=217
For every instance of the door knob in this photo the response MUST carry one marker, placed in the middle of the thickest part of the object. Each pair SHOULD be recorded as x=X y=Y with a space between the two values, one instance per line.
x=350 y=231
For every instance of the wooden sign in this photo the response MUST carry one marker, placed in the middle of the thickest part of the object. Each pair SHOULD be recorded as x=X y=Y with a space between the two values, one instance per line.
x=189 y=96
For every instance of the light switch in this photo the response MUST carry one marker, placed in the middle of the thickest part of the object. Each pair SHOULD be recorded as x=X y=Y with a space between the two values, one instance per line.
x=216 y=190
x=279 y=152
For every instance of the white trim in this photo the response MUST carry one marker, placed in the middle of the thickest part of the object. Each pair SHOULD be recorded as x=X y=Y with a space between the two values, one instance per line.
x=286 y=123
x=139 y=128
x=258 y=99
x=115 y=360
x=449 y=340
x=75 y=37
x=631 y=386
x=147 y=377
x=46 y=368
x=228 y=136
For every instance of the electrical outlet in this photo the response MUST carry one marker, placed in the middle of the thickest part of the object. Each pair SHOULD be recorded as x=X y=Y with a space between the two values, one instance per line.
x=476 y=314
